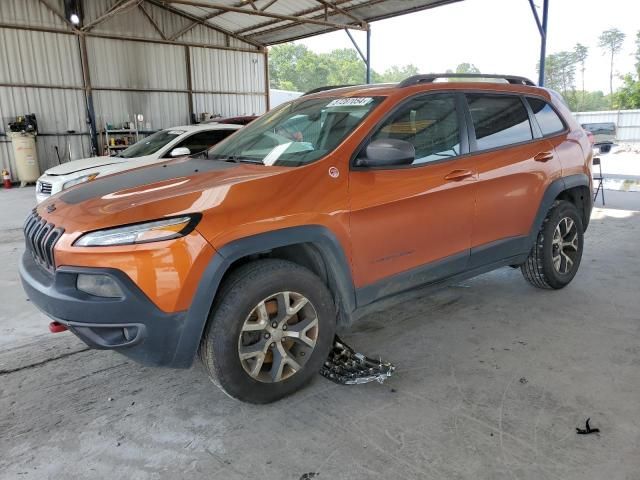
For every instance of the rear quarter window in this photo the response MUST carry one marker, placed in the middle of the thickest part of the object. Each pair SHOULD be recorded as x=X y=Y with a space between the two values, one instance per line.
x=499 y=120
x=546 y=116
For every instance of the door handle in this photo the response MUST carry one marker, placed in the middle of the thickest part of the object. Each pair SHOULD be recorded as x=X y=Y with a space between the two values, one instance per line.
x=457 y=175
x=543 y=156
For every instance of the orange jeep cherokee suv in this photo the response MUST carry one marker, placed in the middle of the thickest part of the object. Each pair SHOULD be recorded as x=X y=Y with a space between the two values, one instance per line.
x=254 y=253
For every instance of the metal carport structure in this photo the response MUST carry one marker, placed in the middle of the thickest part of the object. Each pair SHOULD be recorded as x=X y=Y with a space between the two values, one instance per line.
x=262 y=23
x=269 y=22
x=168 y=58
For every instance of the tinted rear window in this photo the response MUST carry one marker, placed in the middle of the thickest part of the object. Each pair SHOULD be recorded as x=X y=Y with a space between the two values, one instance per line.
x=499 y=120
x=547 y=118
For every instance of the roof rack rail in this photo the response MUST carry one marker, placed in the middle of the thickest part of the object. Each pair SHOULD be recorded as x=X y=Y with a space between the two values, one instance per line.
x=325 y=88
x=431 y=77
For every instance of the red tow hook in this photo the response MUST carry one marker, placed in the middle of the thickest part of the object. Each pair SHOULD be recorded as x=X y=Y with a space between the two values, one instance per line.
x=57 y=327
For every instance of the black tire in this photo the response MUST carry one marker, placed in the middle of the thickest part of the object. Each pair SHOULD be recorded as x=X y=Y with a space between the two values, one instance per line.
x=241 y=292
x=539 y=269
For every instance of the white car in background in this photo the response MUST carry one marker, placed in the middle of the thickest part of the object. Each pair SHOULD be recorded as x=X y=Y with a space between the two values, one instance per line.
x=162 y=145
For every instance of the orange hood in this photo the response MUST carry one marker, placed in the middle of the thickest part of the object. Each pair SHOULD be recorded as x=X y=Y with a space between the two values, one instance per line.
x=172 y=188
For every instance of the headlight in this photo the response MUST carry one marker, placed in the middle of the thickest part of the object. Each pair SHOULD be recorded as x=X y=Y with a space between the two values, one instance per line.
x=155 y=231
x=77 y=181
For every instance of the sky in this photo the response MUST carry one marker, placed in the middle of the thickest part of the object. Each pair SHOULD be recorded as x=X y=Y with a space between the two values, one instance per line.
x=498 y=36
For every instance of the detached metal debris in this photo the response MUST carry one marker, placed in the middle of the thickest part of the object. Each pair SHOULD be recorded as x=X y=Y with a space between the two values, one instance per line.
x=588 y=429
x=348 y=367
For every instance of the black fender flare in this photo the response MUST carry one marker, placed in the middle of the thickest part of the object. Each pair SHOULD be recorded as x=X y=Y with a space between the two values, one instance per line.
x=554 y=189
x=330 y=249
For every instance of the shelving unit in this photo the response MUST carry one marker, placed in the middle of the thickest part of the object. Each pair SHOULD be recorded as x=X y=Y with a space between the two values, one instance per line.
x=132 y=136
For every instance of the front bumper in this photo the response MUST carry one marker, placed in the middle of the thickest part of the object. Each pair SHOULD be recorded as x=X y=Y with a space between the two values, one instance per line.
x=132 y=325
x=46 y=186
x=41 y=197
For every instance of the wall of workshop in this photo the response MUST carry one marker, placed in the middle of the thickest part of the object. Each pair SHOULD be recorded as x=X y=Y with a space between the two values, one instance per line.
x=42 y=73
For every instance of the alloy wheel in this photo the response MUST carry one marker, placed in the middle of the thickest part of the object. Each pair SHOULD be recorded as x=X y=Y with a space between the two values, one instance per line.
x=278 y=337
x=565 y=246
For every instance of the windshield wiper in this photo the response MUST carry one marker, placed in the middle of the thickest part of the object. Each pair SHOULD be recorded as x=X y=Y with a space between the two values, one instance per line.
x=235 y=159
x=203 y=154
x=239 y=159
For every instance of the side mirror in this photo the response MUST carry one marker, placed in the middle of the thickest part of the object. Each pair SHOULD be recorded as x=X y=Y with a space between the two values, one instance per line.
x=388 y=152
x=180 y=152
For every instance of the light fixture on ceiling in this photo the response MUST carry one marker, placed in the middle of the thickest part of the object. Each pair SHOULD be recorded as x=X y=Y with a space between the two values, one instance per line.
x=72 y=12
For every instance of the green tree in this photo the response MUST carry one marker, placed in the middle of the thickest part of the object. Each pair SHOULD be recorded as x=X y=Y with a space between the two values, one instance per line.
x=395 y=73
x=628 y=96
x=345 y=67
x=467 y=68
x=283 y=63
x=594 y=101
x=295 y=67
x=464 y=68
x=637 y=55
x=581 y=53
x=611 y=42
x=552 y=73
x=559 y=75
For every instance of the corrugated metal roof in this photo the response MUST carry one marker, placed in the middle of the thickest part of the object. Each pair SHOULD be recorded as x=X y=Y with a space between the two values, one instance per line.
x=257 y=20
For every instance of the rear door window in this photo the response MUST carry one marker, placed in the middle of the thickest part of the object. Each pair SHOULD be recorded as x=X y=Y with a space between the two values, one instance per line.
x=546 y=116
x=498 y=120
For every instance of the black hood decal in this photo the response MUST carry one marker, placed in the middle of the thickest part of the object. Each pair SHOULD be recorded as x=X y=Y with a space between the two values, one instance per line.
x=142 y=176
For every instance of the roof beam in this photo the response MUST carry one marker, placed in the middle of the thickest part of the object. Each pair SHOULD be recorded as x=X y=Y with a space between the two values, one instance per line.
x=164 y=4
x=110 y=13
x=153 y=22
x=189 y=27
x=195 y=24
x=320 y=10
x=308 y=11
x=127 y=38
x=55 y=11
x=335 y=7
x=268 y=5
x=277 y=16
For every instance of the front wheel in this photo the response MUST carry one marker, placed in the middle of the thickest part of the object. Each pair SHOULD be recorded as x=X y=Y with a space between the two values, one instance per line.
x=556 y=255
x=269 y=332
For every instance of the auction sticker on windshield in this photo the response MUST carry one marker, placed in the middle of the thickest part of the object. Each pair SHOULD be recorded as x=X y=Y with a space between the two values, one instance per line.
x=353 y=101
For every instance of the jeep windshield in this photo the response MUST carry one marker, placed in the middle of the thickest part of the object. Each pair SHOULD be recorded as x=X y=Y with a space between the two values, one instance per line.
x=297 y=133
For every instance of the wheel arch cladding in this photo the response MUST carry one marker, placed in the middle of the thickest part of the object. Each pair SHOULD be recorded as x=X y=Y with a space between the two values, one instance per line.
x=580 y=196
x=312 y=246
x=575 y=189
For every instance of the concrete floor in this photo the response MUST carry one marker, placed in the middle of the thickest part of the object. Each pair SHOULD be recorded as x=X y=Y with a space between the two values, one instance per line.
x=493 y=376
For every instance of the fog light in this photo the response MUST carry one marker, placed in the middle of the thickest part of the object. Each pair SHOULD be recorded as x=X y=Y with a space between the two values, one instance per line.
x=98 y=285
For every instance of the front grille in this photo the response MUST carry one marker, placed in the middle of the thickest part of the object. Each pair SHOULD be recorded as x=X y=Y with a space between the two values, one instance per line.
x=40 y=238
x=45 y=188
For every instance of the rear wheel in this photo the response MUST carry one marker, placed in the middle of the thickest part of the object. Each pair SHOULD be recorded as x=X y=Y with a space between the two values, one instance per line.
x=556 y=255
x=270 y=331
